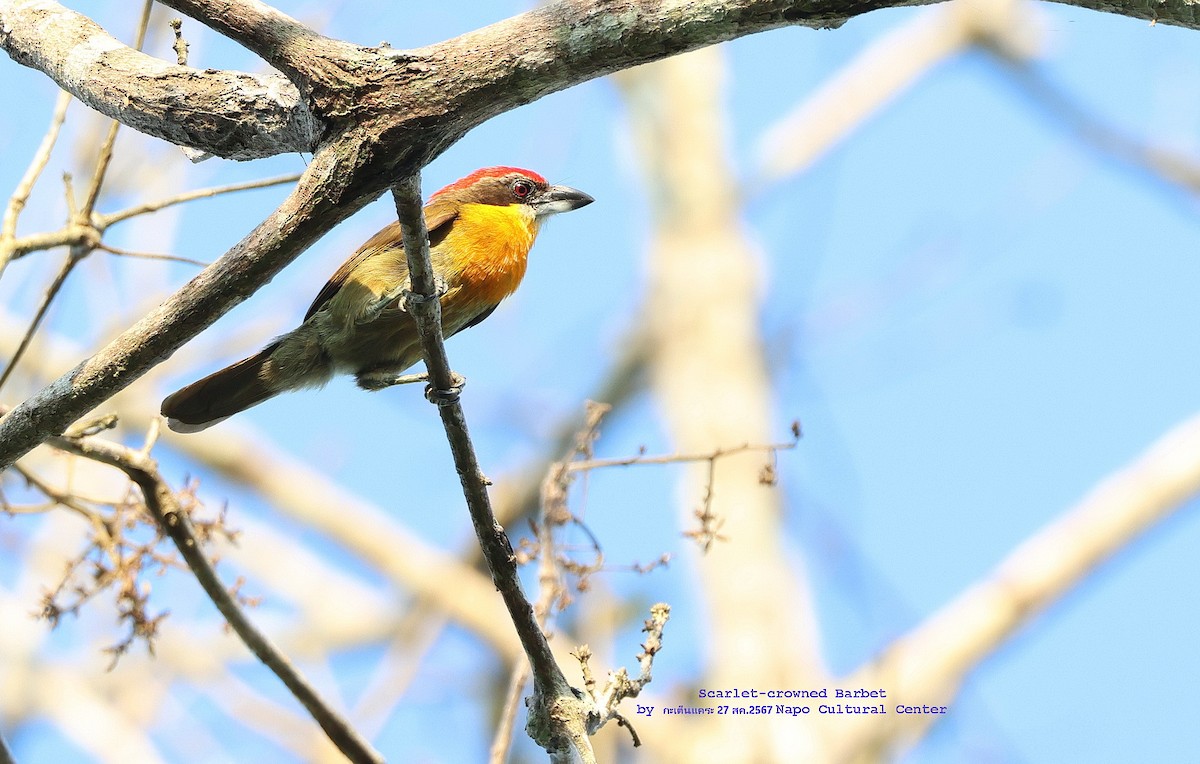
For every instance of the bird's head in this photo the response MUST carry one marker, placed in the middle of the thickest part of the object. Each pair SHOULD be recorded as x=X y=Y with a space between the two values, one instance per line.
x=504 y=186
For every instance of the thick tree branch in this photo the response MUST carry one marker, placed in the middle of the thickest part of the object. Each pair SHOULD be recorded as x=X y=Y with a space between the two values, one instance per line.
x=390 y=114
x=460 y=82
x=229 y=114
x=280 y=40
x=400 y=118
x=444 y=89
x=433 y=99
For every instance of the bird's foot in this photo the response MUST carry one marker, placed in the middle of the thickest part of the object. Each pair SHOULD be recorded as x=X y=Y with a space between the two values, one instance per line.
x=386 y=300
x=381 y=380
x=449 y=395
x=440 y=287
x=440 y=397
x=398 y=296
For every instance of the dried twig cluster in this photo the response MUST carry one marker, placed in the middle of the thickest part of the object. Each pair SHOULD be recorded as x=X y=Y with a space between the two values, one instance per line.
x=556 y=563
x=122 y=553
x=618 y=686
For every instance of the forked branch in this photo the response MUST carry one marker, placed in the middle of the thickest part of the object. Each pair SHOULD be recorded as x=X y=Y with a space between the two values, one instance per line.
x=163 y=505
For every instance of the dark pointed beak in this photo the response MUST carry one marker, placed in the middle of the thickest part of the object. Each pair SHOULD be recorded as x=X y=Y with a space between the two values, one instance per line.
x=560 y=199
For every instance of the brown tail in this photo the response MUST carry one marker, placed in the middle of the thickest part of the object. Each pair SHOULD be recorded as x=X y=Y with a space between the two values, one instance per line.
x=220 y=395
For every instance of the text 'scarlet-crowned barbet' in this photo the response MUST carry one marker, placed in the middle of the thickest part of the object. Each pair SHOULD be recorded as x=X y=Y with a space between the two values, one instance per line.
x=480 y=232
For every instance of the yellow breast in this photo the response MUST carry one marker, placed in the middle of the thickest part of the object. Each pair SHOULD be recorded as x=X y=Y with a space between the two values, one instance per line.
x=487 y=249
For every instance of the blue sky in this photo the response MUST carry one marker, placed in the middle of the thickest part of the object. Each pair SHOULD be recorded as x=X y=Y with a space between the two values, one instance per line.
x=975 y=315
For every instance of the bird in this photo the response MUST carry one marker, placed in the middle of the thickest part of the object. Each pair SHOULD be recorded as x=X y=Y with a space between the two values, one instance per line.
x=481 y=228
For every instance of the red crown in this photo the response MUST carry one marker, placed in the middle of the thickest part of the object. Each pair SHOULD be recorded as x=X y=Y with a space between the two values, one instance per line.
x=489 y=172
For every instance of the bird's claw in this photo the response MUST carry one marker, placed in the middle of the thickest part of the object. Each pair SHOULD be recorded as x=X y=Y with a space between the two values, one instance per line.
x=401 y=294
x=448 y=396
x=440 y=287
x=388 y=298
x=432 y=394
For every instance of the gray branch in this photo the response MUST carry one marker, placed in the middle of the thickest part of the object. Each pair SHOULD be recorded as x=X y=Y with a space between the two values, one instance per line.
x=301 y=53
x=557 y=718
x=473 y=77
x=176 y=525
x=229 y=114
x=385 y=114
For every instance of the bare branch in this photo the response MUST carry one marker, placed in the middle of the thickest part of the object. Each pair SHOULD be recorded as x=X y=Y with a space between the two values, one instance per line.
x=6 y=756
x=366 y=530
x=619 y=686
x=16 y=203
x=150 y=255
x=83 y=232
x=57 y=498
x=708 y=456
x=229 y=114
x=73 y=257
x=68 y=235
x=423 y=301
x=104 y=221
x=161 y=502
x=280 y=40
x=556 y=715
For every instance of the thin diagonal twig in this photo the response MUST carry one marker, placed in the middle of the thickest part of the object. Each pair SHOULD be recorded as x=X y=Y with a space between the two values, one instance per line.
x=6 y=756
x=60 y=278
x=81 y=216
x=557 y=716
x=74 y=233
x=16 y=203
x=57 y=497
x=162 y=503
x=104 y=221
x=151 y=255
x=106 y=148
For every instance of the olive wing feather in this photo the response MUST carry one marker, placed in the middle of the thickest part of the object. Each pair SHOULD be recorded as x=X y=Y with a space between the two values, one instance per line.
x=438 y=218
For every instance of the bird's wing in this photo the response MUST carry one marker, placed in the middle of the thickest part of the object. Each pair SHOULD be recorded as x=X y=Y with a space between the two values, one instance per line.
x=438 y=217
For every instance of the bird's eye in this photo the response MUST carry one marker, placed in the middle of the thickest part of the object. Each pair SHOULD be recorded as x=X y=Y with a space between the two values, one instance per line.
x=522 y=189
